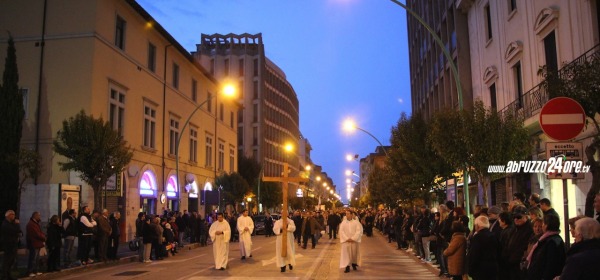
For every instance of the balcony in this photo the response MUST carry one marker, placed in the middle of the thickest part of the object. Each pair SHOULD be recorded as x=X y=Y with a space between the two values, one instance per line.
x=533 y=100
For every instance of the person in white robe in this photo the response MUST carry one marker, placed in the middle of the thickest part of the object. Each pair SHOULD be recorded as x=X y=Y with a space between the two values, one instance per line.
x=290 y=258
x=350 y=233
x=245 y=227
x=220 y=233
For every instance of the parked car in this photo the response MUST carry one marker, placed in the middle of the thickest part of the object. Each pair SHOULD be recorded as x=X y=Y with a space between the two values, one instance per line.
x=259 y=224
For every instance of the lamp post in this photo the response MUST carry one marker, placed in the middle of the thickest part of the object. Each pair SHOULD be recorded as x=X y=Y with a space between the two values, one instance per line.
x=350 y=125
x=454 y=69
x=228 y=90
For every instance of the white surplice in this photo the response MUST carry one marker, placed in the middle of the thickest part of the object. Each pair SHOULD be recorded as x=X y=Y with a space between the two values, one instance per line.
x=350 y=253
x=220 y=243
x=245 y=236
x=291 y=249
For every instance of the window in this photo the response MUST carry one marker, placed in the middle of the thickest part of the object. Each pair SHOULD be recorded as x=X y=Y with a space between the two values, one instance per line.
x=208 y=102
x=221 y=109
x=488 y=21
x=255 y=67
x=240 y=135
x=120 y=33
x=241 y=67
x=221 y=155
x=518 y=83
x=493 y=96
x=241 y=90
x=240 y=115
x=152 y=57
x=255 y=90
x=194 y=90
x=212 y=66
x=175 y=75
x=149 y=127
x=173 y=136
x=231 y=158
x=231 y=117
x=550 y=52
x=226 y=67
x=512 y=5
x=116 y=109
x=25 y=95
x=255 y=113
x=208 y=161
x=255 y=135
x=193 y=145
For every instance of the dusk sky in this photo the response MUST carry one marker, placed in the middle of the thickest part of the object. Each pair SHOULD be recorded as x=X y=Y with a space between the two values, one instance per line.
x=344 y=58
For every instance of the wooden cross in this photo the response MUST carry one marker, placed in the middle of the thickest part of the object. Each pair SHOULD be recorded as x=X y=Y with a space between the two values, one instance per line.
x=284 y=214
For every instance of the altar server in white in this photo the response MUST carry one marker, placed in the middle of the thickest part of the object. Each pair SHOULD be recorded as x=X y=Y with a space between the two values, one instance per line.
x=220 y=232
x=245 y=227
x=350 y=235
x=290 y=258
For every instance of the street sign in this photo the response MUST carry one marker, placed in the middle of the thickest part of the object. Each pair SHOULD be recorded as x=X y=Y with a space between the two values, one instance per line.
x=562 y=118
x=570 y=160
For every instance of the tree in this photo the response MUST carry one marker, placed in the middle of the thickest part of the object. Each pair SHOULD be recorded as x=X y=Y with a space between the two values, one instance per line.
x=271 y=195
x=382 y=187
x=11 y=125
x=249 y=168
x=478 y=138
x=30 y=167
x=94 y=149
x=235 y=188
x=580 y=80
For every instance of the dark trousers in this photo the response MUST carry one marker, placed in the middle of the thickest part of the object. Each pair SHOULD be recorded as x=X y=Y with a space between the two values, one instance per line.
x=312 y=237
x=298 y=235
x=83 y=249
x=113 y=247
x=333 y=232
x=54 y=259
x=399 y=239
x=10 y=256
x=102 y=247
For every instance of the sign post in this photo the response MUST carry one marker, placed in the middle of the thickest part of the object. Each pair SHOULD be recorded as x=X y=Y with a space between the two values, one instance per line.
x=284 y=213
x=562 y=119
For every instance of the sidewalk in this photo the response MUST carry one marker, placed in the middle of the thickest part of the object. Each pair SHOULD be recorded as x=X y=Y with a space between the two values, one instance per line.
x=124 y=255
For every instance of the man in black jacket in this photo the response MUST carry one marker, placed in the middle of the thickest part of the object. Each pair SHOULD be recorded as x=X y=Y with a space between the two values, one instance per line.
x=333 y=221
x=69 y=224
x=9 y=234
x=298 y=222
x=113 y=240
x=518 y=241
x=483 y=252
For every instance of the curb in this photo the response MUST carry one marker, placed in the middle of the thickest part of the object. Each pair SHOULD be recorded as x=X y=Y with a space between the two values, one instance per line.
x=122 y=260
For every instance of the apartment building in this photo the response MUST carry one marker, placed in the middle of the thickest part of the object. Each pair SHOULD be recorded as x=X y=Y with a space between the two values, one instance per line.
x=113 y=60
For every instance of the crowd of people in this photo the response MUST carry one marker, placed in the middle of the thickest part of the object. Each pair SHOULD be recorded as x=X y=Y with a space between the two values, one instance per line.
x=516 y=240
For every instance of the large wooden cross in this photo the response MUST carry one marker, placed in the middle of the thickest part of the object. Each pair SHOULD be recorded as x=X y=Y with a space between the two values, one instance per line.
x=284 y=214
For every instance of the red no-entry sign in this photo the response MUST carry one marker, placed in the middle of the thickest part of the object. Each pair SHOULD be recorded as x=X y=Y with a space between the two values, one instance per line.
x=562 y=118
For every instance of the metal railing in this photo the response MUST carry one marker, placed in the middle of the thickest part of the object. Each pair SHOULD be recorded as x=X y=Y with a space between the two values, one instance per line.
x=533 y=100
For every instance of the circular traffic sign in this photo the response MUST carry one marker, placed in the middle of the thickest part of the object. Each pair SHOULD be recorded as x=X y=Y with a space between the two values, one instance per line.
x=562 y=118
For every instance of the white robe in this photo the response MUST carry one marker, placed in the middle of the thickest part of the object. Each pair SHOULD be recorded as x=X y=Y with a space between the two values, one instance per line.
x=245 y=236
x=350 y=252
x=220 y=243
x=291 y=249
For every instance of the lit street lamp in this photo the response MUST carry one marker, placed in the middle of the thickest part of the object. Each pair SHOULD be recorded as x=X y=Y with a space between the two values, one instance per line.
x=349 y=125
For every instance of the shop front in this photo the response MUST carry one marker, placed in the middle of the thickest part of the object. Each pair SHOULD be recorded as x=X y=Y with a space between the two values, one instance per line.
x=148 y=192
x=192 y=189
x=172 y=194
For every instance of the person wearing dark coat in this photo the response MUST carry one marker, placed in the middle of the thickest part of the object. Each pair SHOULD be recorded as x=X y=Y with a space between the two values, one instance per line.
x=54 y=243
x=369 y=223
x=483 y=252
x=113 y=240
x=202 y=231
x=505 y=220
x=192 y=223
x=397 y=227
x=268 y=225
x=297 y=221
x=582 y=258
x=518 y=241
x=149 y=236
x=333 y=221
x=35 y=241
x=407 y=233
x=9 y=240
x=546 y=207
x=547 y=257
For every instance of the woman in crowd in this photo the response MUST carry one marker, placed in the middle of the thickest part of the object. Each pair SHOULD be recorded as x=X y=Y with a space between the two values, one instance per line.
x=54 y=242
x=547 y=256
x=582 y=258
x=456 y=251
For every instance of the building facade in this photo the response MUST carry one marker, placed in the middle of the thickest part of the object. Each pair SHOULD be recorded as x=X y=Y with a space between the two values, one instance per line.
x=368 y=164
x=432 y=83
x=510 y=41
x=270 y=115
x=111 y=59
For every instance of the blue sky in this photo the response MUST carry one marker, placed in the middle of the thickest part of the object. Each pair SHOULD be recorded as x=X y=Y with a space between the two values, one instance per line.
x=344 y=58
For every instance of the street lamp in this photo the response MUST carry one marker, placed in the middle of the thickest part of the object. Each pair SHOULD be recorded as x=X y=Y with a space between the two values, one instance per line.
x=349 y=125
x=351 y=173
x=229 y=91
x=249 y=199
x=350 y=157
